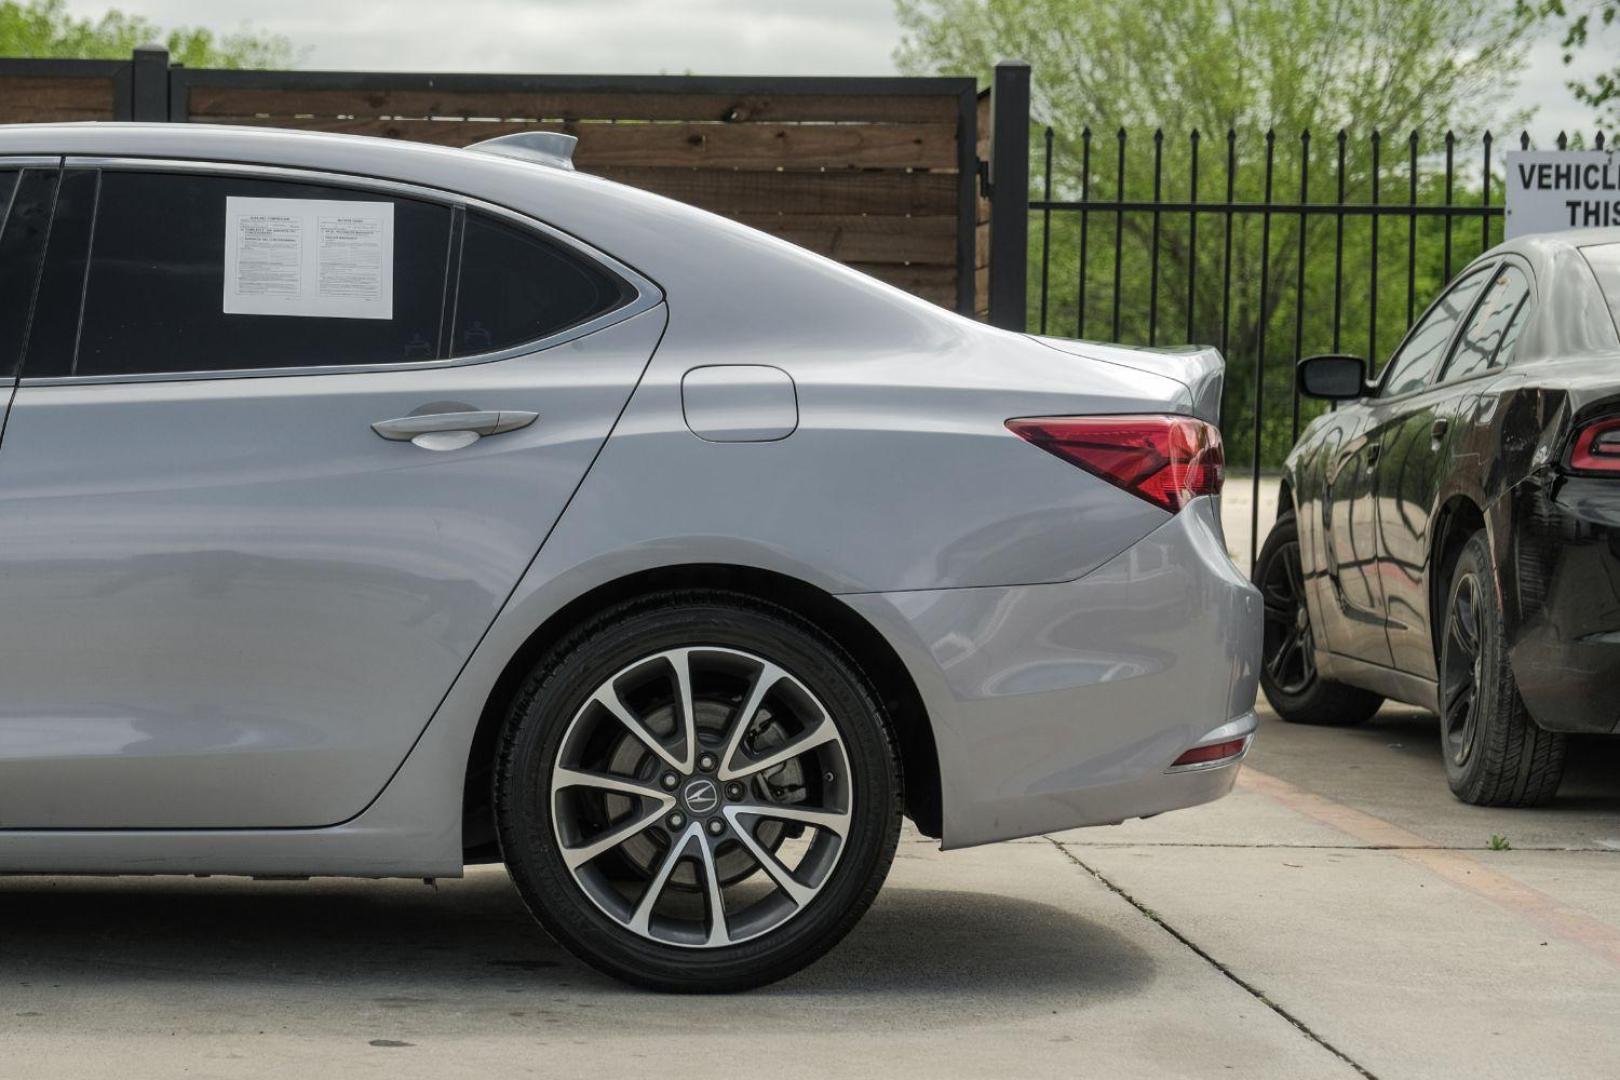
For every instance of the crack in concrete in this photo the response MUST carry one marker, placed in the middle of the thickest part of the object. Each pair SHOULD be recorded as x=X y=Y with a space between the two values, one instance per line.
x=1231 y=976
x=1119 y=844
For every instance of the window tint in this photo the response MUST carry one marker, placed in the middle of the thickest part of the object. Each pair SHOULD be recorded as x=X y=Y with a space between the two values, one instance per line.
x=25 y=210
x=1480 y=343
x=1421 y=353
x=1510 y=336
x=154 y=291
x=516 y=286
x=61 y=282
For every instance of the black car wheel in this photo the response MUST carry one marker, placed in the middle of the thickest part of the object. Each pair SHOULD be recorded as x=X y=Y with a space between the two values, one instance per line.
x=697 y=792
x=1496 y=755
x=1288 y=674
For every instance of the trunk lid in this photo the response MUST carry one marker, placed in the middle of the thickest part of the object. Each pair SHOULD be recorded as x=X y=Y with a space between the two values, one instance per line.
x=1200 y=368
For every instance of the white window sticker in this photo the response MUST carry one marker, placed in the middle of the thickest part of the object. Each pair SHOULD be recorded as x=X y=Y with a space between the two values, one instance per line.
x=312 y=257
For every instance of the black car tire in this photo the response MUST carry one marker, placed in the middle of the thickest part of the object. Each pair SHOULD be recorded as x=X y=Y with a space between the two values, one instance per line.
x=557 y=690
x=1495 y=753
x=1298 y=692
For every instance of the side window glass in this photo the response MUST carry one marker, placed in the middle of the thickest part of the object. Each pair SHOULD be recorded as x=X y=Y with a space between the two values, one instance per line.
x=1409 y=369
x=155 y=280
x=1478 y=345
x=516 y=286
x=1510 y=336
x=61 y=282
x=25 y=212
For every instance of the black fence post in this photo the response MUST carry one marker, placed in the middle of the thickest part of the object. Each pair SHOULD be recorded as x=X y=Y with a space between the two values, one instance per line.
x=149 y=76
x=1009 y=195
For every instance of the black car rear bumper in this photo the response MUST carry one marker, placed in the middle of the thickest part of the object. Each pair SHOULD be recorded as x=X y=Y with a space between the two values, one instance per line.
x=1566 y=557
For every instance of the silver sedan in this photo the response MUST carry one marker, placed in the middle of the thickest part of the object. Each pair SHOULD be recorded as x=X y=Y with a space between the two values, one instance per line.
x=374 y=509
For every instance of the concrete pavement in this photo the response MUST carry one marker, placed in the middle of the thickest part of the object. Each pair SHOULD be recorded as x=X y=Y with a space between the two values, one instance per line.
x=1338 y=915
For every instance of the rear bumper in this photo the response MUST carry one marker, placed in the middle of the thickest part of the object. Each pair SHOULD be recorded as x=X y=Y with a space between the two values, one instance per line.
x=1566 y=650
x=1057 y=706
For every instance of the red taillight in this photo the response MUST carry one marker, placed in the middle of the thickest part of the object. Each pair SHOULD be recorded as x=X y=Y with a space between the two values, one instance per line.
x=1167 y=460
x=1202 y=755
x=1597 y=447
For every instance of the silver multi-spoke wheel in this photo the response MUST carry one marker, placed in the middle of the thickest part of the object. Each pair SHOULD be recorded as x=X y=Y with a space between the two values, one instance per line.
x=702 y=796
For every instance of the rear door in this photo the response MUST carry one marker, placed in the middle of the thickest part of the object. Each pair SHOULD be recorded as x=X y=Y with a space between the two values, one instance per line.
x=1425 y=442
x=262 y=497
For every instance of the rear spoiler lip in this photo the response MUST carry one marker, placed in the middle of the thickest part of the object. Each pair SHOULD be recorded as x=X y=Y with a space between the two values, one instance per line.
x=1200 y=369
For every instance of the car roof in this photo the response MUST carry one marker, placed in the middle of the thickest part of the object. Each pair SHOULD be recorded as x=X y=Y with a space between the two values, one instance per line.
x=1539 y=246
x=1573 y=316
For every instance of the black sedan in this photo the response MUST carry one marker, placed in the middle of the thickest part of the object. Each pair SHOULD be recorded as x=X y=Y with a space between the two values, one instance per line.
x=1449 y=535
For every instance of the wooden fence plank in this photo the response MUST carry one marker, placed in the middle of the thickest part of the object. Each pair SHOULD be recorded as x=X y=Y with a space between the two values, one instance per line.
x=29 y=99
x=714 y=146
x=934 y=283
x=866 y=238
x=216 y=102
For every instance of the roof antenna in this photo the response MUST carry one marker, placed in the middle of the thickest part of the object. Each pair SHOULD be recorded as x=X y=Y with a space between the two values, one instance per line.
x=550 y=148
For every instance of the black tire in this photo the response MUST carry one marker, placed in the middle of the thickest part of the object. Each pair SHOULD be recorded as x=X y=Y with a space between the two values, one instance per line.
x=1288 y=674
x=1495 y=754
x=558 y=690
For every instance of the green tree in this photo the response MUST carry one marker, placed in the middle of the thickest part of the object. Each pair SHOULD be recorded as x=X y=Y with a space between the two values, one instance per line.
x=45 y=29
x=1583 y=22
x=1242 y=68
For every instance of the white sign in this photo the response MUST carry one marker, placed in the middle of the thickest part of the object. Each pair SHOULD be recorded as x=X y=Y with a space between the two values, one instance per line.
x=313 y=257
x=1551 y=190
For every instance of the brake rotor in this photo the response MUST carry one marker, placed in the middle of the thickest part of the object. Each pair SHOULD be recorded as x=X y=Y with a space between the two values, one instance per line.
x=629 y=756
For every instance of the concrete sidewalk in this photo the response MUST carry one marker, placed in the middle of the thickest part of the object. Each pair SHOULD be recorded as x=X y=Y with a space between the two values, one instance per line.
x=1338 y=915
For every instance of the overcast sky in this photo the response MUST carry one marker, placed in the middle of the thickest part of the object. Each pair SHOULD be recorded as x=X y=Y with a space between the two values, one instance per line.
x=716 y=37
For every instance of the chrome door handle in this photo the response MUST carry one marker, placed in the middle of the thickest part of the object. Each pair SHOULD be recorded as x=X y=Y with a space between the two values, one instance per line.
x=1373 y=450
x=457 y=429
x=1437 y=430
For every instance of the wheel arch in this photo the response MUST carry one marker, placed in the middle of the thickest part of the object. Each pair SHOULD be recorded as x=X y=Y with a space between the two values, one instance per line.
x=1285 y=496
x=1458 y=518
x=873 y=655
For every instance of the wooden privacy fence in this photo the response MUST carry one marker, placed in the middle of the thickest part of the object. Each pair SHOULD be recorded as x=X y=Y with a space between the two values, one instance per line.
x=879 y=173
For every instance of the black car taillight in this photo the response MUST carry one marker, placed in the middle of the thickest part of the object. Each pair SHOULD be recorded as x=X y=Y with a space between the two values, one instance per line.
x=1167 y=460
x=1597 y=447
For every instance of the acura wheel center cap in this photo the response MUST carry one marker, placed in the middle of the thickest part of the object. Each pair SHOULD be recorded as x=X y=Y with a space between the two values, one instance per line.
x=701 y=796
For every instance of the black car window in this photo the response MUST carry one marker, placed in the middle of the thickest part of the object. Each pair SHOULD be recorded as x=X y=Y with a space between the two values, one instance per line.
x=1418 y=357
x=25 y=211
x=516 y=286
x=1510 y=336
x=1604 y=259
x=1479 y=345
x=148 y=253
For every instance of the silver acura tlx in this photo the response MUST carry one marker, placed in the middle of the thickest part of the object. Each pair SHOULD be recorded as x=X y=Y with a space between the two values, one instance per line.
x=370 y=508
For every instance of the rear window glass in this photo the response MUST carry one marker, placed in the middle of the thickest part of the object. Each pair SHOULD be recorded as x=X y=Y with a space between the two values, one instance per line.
x=1604 y=259
x=516 y=287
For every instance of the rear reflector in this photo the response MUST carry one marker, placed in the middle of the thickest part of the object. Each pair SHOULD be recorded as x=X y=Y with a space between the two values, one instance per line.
x=1167 y=460
x=1202 y=755
x=1597 y=447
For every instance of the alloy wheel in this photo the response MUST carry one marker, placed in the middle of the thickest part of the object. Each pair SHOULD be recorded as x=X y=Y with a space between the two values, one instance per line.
x=1289 y=651
x=702 y=797
x=1460 y=663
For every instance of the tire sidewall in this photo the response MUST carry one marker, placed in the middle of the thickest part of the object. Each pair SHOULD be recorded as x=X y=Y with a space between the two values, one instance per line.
x=1283 y=533
x=557 y=691
x=1494 y=679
